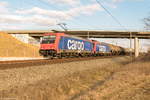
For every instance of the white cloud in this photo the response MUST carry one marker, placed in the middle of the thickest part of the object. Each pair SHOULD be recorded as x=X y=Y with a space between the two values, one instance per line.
x=63 y=2
x=4 y=4
x=8 y=18
x=112 y=3
x=21 y=22
x=3 y=7
x=116 y=1
x=45 y=17
x=42 y=17
x=10 y=27
x=35 y=19
x=86 y=10
x=40 y=20
x=44 y=12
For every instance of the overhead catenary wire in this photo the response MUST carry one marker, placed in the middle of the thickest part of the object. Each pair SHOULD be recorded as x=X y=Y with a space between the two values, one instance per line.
x=77 y=19
x=113 y=17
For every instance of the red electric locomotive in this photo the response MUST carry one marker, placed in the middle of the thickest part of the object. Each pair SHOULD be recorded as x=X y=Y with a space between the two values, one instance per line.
x=63 y=45
x=60 y=44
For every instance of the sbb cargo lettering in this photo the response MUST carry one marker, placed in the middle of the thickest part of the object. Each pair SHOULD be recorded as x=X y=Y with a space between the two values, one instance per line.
x=75 y=45
x=102 y=48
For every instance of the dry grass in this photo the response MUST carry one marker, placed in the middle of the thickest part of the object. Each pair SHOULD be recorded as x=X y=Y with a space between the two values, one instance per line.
x=11 y=47
x=63 y=88
x=114 y=80
x=57 y=82
x=143 y=58
x=130 y=83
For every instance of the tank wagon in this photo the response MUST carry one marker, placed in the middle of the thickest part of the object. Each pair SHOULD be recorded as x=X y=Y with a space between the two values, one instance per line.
x=115 y=50
x=63 y=45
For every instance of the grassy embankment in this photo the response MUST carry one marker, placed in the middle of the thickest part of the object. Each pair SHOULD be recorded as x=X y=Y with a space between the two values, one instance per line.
x=116 y=81
x=11 y=47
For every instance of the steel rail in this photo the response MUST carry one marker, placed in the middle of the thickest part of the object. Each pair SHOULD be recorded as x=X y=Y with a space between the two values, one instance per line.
x=33 y=63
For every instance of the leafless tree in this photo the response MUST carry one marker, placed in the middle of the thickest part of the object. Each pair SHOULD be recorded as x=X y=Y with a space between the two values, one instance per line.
x=147 y=23
x=147 y=27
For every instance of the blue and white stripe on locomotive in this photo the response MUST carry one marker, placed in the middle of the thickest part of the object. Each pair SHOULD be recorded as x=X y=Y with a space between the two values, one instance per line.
x=102 y=48
x=69 y=43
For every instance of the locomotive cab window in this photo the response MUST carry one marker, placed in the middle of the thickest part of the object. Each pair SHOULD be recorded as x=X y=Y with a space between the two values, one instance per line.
x=48 y=39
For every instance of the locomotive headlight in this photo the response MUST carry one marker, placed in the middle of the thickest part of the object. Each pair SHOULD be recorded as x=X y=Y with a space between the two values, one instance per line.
x=40 y=39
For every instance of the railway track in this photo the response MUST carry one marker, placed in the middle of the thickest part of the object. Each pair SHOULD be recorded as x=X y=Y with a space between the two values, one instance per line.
x=30 y=63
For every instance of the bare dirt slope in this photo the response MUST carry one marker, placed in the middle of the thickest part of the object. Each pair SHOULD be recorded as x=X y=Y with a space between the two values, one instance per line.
x=11 y=47
x=101 y=79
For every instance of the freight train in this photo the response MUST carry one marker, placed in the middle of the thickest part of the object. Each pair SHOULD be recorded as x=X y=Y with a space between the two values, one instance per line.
x=63 y=45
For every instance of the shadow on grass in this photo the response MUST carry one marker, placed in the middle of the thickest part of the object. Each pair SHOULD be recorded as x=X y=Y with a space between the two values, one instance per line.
x=93 y=87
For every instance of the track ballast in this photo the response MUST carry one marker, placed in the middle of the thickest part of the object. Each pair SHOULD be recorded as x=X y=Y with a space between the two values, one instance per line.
x=30 y=63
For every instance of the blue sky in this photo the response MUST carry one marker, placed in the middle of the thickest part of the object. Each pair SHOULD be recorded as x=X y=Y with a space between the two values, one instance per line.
x=77 y=14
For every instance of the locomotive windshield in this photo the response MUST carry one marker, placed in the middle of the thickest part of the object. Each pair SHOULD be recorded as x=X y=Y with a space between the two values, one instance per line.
x=48 y=39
